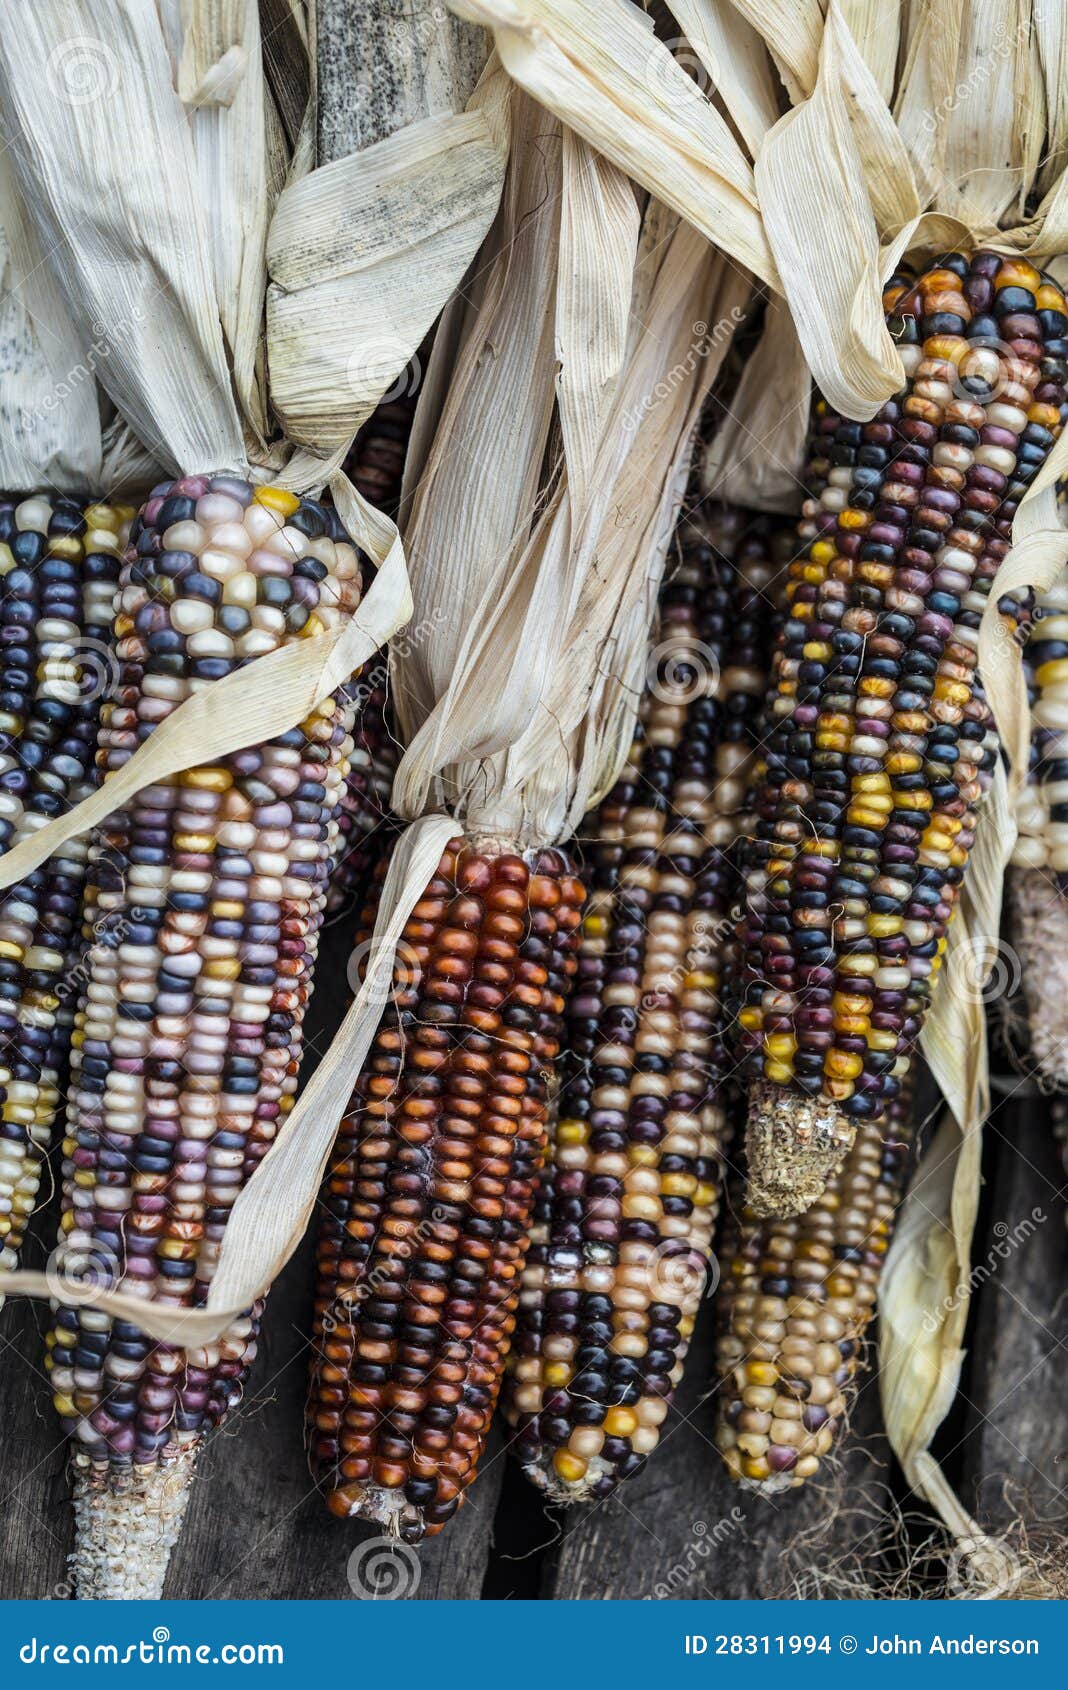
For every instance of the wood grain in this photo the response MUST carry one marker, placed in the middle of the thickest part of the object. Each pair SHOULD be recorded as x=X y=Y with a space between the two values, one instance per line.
x=1015 y=1449
x=385 y=63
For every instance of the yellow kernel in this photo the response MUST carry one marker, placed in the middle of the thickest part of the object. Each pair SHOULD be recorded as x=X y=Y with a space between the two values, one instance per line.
x=569 y=1467
x=223 y=968
x=883 y=926
x=571 y=1132
x=194 y=842
x=1017 y=273
x=952 y=692
x=277 y=499
x=1051 y=674
x=620 y=1422
x=780 y=1072
x=557 y=1374
x=780 y=1045
x=207 y=779
x=842 y=1064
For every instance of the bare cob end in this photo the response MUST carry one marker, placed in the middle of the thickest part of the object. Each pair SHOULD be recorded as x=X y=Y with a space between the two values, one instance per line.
x=125 y=1532
x=794 y=1145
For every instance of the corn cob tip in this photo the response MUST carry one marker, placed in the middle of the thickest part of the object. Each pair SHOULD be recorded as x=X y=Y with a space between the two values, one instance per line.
x=794 y=1145
x=1040 y=935
x=126 y=1528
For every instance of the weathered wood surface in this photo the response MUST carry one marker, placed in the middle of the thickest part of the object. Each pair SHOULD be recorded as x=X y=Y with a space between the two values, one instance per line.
x=385 y=63
x=1015 y=1437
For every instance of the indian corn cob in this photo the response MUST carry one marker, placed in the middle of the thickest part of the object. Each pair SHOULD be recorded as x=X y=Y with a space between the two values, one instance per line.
x=622 y=1237
x=794 y=1300
x=376 y=467
x=1038 y=874
x=428 y=1201
x=376 y=462
x=59 y=574
x=365 y=823
x=864 y=828
x=203 y=907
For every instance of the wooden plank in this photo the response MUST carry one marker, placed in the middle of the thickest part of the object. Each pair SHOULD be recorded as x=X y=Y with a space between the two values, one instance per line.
x=1015 y=1452
x=40 y=1521
x=683 y=1530
x=385 y=63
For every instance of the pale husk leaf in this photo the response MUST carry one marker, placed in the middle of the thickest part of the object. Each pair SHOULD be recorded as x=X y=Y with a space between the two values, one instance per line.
x=924 y=1292
x=792 y=31
x=814 y=174
x=508 y=710
x=378 y=238
x=50 y=425
x=600 y=69
x=733 y=54
x=128 y=246
x=222 y=89
x=755 y=457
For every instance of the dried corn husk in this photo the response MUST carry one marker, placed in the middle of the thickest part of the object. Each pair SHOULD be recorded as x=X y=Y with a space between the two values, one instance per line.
x=145 y=261
x=50 y=421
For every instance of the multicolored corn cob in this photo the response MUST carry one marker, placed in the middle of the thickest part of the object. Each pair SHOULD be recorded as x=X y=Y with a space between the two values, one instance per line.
x=429 y=1197
x=59 y=576
x=366 y=825
x=203 y=908
x=795 y=1297
x=376 y=463
x=376 y=468
x=865 y=819
x=622 y=1239
x=1038 y=875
